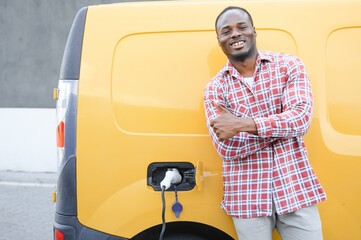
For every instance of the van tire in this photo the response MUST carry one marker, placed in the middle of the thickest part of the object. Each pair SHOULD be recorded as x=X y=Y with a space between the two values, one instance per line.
x=184 y=236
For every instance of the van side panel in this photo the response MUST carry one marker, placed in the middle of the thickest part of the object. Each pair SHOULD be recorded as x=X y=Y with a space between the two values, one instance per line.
x=113 y=195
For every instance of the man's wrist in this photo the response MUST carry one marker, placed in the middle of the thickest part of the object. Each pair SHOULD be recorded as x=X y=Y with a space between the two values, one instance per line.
x=248 y=125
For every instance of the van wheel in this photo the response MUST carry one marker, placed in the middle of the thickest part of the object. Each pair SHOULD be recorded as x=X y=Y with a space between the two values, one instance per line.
x=183 y=236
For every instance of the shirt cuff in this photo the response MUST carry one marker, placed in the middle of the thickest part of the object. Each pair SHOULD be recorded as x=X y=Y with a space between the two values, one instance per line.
x=264 y=127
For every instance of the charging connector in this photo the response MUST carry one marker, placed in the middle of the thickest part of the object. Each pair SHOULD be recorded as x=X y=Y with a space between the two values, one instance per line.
x=172 y=176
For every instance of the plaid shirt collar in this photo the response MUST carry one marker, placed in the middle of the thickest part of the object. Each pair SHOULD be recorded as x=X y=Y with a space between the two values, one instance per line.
x=262 y=56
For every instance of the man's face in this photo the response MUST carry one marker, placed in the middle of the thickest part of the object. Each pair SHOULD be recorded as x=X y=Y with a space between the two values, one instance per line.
x=236 y=35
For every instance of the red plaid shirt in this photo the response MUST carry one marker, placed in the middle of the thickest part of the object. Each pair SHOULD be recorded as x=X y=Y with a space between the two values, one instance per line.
x=272 y=166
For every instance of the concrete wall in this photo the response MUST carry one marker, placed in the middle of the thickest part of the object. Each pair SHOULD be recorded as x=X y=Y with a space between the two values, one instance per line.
x=33 y=36
x=27 y=139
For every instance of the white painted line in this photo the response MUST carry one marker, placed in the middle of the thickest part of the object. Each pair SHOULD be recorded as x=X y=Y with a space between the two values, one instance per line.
x=27 y=184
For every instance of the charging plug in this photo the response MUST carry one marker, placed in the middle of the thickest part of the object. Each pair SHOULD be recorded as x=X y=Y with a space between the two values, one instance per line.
x=172 y=176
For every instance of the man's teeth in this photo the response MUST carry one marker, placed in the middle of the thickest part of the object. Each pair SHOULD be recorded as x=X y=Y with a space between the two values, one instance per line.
x=237 y=44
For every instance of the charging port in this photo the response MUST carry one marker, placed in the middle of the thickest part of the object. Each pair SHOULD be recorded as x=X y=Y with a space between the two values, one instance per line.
x=157 y=171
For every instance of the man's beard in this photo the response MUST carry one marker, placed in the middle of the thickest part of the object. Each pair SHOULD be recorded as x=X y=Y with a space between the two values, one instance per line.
x=244 y=55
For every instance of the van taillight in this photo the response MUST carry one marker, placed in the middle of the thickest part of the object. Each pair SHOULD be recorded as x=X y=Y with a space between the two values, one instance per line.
x=60 y=134
x=58 y=235
x=66 y=96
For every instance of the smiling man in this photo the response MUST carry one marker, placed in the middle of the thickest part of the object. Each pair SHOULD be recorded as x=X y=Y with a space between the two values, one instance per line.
x=258 y=107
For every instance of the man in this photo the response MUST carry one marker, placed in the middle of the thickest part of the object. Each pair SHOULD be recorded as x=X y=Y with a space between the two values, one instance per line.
x=258 y=107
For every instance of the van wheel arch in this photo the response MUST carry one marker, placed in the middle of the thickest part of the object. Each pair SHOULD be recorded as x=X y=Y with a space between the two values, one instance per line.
x=183 y=231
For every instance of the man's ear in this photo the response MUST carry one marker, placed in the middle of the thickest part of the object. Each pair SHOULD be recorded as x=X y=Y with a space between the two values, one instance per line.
x=218 y=41
x=255 y=32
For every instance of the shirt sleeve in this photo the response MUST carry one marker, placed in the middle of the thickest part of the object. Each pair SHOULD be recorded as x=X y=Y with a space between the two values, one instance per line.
x=240 y=145
x=297 y=104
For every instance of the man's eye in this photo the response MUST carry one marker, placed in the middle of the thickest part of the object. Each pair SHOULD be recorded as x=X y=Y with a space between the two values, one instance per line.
x=226 y=32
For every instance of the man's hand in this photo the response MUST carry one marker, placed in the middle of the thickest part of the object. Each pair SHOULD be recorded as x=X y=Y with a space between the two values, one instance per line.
x=226 y=125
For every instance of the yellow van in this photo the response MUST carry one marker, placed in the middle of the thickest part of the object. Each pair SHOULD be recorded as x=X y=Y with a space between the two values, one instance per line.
x=130 y=109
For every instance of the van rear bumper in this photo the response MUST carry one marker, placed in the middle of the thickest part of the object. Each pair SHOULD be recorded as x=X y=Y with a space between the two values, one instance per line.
x=72 y=229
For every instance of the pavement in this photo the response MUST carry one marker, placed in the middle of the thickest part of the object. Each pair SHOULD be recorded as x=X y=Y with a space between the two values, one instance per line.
x=26 y=207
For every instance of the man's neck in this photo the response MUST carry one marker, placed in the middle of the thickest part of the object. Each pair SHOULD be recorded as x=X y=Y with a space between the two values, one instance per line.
x=245 y=67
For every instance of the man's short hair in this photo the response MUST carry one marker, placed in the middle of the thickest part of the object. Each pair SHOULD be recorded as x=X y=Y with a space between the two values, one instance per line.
x=232 y=8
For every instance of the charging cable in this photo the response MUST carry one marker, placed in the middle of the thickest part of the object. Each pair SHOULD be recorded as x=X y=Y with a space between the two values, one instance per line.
x=172 y=176
x=163 y=215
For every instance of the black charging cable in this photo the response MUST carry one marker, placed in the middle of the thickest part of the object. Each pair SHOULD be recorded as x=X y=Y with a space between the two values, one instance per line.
x=163 y=215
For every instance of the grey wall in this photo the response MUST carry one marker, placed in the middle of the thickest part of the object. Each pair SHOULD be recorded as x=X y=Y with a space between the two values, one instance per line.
x=33 y=34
